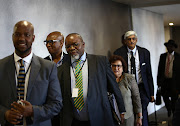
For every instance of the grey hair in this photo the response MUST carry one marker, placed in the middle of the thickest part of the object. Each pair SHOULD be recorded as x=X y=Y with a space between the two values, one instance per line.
x=129 y=33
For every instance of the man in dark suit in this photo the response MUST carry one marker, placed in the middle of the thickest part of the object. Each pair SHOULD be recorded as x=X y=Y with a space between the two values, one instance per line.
x=138 y=60
x=54 y=43
x=30 y=94
x=85 y=80
x=168 y=75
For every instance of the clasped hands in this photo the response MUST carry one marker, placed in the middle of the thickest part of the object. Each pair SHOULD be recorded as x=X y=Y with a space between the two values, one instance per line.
x=19 y=111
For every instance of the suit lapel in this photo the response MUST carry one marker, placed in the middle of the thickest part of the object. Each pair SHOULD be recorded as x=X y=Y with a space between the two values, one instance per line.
x=11 y=75
x=67 y=77
x=140 y=55
x=91 y=67
x=34 y=71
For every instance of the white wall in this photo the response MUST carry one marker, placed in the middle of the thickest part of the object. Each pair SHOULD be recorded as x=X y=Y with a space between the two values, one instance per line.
x=150 y=30
x=100 y=22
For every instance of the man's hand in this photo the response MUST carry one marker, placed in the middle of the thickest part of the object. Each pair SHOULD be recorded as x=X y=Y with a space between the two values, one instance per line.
x=139 y=122
x=152 y=99
x=26 y=110
x=12 y=116
x=122 y=118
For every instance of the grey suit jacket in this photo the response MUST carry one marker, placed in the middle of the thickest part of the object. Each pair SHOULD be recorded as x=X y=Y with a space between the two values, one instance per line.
x=43 y=90
x=100 y=80
x=131 y=96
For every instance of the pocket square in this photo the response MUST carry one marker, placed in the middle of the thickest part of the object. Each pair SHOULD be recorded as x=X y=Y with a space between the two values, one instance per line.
x=143 y=64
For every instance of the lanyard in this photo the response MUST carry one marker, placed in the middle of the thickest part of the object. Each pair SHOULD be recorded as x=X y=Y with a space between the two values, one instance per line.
x=75 y=75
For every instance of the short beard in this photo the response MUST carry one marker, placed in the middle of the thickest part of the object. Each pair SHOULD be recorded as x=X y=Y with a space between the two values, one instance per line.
x=76 y=57
x=23 y=52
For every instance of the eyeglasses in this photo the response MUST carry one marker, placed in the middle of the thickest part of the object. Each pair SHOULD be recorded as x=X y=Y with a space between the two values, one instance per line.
x=51 y=42
x=114 y=66
x=129 y=39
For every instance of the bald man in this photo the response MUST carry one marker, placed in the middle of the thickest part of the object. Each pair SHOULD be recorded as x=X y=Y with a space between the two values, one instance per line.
x=30 y=94
x=85 y=80
x=54 y=43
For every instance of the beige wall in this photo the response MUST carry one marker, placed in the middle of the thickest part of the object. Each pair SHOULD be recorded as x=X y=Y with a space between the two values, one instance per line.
x=150 y=30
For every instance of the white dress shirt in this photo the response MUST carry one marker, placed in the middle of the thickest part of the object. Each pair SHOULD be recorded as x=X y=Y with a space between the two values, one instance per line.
x=137 y=64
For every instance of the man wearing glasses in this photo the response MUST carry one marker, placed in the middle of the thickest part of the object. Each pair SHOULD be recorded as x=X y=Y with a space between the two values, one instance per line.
x=138 y=60
x=54 y=43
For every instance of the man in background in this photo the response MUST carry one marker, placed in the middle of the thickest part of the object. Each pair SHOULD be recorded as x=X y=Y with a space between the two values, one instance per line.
x=54 y=43
x=29 y=91
x=168 y=75
x=139 y=64
x=85 y=80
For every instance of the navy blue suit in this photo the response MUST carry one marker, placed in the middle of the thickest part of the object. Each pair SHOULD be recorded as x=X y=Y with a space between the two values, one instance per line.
x=147 y=88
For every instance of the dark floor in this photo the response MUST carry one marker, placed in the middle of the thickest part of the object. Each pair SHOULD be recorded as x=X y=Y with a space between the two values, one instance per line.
x=162 y=118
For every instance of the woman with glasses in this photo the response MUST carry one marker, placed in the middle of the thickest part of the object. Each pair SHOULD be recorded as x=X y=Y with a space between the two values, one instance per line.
x=129 y=90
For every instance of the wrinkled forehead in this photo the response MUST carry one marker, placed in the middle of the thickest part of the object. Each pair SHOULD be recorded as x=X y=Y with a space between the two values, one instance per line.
x=73 y=39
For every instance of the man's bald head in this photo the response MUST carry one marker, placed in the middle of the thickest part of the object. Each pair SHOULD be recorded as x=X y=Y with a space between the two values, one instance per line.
x=75 y=35
x=24 y=24
x=56 y=35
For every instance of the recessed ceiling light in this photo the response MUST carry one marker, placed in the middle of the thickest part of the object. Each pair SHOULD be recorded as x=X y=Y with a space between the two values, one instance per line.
x=171 y=24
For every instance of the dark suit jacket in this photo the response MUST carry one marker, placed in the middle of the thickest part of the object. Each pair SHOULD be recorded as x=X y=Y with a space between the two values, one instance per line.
x=43 y=90
x=100 y=76
x=176 y=71
x=65 y=57
x=145 y=66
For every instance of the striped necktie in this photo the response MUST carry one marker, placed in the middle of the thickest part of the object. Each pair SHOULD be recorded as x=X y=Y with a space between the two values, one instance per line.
x=79 y=101
x=21 y=81
x=20 y=85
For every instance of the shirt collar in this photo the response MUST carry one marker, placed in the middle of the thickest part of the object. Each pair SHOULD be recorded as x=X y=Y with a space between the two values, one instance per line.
x=83 y=58
x=27 y=59
x=171 y=53
x=134 y=50
x=62 y=55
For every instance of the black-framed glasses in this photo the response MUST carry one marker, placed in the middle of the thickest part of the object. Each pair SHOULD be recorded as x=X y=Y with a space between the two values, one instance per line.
x=51 y=42
x=114 y=66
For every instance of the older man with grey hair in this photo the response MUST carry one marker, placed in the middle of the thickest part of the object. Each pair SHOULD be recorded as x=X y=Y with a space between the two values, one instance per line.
x=139 y=64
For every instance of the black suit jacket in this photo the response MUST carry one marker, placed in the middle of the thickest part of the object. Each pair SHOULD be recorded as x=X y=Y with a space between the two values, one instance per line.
x=176 y=71
x=100 y=80
x=145 y=66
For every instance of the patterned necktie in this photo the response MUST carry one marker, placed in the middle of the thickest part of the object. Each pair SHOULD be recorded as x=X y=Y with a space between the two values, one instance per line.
x=20 y=85
x=133 y=66
x=21 y=81
x=167 y=66
x=79 y=101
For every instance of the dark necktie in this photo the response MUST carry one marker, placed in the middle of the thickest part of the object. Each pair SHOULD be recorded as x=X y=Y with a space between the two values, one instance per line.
x=20 y=85
x=133 y=66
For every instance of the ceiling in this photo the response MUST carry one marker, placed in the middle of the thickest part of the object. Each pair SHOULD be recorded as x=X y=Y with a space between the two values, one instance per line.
x=169 y=8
